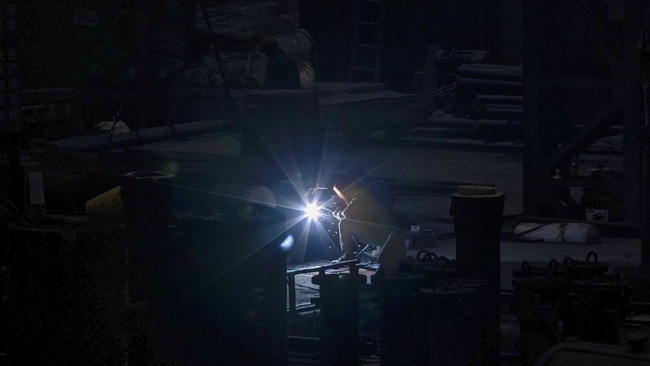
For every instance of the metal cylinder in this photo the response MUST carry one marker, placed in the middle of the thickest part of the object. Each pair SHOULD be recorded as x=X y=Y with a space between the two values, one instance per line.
x=536 y=306
x=590 y=269
x=592 y=310
x=487 y=329
x=450 y=322
x=477 y=215
x=401 y=321
x=339 y=299
x=477 y=212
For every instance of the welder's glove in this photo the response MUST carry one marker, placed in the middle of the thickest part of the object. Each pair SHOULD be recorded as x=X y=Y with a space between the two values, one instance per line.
x=339 y=213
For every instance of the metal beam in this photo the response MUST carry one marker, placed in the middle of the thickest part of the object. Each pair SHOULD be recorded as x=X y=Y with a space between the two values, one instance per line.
x=622 y=84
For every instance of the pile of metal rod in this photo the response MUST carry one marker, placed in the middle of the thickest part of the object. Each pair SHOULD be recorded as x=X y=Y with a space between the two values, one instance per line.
x=432 y=316
x=567 y=300
x=498 y=88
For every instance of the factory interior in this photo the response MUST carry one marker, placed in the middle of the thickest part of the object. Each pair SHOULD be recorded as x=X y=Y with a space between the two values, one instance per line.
x=158 y=159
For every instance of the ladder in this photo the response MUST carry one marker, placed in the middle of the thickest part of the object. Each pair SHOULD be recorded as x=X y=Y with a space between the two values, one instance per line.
x=365 y=57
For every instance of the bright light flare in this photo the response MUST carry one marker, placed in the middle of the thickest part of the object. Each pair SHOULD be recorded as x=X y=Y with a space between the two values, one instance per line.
x=312 y=211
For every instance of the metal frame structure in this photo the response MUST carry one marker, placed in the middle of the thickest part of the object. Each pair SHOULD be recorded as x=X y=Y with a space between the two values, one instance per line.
x=366 y=50
x=581 y=76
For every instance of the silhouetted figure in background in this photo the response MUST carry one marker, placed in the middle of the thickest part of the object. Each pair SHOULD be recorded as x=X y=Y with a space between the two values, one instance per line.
x=282 y=70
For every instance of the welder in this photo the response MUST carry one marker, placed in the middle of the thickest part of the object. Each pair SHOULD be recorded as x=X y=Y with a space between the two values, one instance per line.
x=363 y=219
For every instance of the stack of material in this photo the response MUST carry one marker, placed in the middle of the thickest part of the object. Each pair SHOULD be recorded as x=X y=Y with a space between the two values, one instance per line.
x=237 y=27
x=246 y=20
x=499 y=88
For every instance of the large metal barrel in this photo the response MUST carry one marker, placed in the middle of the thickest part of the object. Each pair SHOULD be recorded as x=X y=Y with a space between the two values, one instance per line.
x=477 y=212
x=402 y=330
x=488 y=324
x=450 y=320
x=536 y=305
x=339 y=300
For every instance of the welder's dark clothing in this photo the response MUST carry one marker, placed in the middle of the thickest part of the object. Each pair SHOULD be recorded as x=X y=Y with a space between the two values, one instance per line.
x=281 y=72
x=366 y=220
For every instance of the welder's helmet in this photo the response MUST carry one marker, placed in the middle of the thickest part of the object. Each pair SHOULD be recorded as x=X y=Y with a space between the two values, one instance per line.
x=350 y=181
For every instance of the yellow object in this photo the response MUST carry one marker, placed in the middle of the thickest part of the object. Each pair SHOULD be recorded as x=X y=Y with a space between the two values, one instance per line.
x=107 y=205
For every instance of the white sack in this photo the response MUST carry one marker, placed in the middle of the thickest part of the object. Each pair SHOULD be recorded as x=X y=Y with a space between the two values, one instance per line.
x=563 y=232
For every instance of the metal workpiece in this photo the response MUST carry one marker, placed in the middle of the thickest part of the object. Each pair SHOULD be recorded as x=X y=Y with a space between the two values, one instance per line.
x=593 y=309
x=536 y=305
x=413 y=264
x=570 y=300
x=392 y=287
x=542 y=287
x=339 y=304
x=450 y=318
x=449 y=296
x=429 y=264
x=440 y=273
x=587 y=269
x=402 y=330
x=488 y=321
x=552 y=271
x=442 y=268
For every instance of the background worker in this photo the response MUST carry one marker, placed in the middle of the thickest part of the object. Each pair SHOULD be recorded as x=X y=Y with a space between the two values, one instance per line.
x=281 y=70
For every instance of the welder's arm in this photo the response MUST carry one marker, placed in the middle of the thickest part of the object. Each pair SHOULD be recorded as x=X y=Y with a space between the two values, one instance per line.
x=352 y=210
x=339 y=213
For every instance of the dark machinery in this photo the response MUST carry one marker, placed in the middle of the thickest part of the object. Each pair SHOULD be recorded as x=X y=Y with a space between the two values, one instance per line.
x=214 y=285
x=571 y=300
